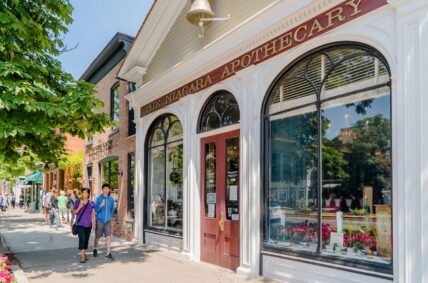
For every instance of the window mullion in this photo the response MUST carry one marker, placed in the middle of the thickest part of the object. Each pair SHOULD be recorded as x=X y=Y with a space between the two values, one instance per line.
x=319 y=177
x=165 y=211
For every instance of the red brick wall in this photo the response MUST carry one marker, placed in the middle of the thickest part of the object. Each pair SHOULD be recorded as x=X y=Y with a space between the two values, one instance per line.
x=122 y=145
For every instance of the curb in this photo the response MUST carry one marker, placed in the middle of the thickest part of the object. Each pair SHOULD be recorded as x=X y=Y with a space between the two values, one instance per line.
x=18 y=273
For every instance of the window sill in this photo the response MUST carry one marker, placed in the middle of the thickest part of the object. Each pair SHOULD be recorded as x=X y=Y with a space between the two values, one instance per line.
x=356 y=266
x=178 y=235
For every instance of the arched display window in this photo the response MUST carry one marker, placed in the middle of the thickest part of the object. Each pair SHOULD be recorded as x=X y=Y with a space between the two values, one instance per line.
x=327 y=158
x=164 y=175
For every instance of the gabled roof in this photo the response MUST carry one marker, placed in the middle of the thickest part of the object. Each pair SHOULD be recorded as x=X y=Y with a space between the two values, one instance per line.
x=155 y=27
x=109 y=57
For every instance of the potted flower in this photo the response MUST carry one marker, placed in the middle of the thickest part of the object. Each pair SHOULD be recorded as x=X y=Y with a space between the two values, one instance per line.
x=6 y=275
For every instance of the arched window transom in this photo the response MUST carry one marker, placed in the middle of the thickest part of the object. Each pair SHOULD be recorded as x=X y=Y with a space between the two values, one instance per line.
x=221 y=110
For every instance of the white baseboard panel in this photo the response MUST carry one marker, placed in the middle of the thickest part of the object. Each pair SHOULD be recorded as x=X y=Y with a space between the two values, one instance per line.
x=291 y=271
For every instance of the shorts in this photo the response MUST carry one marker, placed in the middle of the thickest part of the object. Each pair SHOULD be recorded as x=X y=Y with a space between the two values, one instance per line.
x=102 y=229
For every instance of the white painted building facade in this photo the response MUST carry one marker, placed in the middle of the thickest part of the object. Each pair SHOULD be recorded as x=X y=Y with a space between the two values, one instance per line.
x=398 y=31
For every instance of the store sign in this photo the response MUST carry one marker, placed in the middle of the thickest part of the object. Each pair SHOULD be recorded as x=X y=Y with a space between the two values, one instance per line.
x=100 y=151
x=329 y=20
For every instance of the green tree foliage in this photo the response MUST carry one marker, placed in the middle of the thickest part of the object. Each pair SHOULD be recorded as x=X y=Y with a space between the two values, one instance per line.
x=39 y=101
x=371 y=150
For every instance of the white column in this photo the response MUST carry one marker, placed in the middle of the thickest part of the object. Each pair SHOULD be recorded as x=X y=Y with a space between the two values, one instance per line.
x=139 y=180
x=250 y=174
x=410 y=150
x=185 y=115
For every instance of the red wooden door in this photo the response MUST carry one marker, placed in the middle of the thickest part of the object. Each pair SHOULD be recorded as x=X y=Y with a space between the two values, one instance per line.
x=220 y=199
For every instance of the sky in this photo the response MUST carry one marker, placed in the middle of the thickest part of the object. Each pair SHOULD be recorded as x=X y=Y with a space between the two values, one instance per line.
x=95 y=23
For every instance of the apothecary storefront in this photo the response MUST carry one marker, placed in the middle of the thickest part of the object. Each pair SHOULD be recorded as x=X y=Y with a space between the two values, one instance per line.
x=286 y=142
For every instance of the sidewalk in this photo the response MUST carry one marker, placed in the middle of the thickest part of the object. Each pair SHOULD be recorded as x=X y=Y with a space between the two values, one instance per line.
x=47 y=255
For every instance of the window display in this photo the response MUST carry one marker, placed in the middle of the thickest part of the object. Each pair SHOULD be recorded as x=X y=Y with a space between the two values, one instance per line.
x=165 y=175
x=328 y=147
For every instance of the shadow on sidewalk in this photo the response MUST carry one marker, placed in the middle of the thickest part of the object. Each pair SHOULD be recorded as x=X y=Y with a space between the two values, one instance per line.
x=66 y=261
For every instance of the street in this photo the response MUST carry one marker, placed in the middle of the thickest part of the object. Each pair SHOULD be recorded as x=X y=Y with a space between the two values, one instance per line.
x=49 y=255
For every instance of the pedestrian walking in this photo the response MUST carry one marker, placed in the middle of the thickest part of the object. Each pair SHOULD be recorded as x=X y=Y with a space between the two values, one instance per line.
x=21 y=201
x=62 y=206
x=13 y=200
x=72 y=197
x=55 y=209
x=2 y=202
x=104 y=207
x=84 y=211
x=47 y=207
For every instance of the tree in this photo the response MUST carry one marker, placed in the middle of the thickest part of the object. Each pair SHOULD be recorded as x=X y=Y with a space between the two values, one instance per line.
x=39 y=101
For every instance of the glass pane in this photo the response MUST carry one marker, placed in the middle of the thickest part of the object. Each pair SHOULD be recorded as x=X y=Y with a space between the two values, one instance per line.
x=292 y=204
x=131 y=179
x=114 y=183
x=174 y=184
x=221 y=103
x=357 y=180
x=115 y=92
x=210 y=180
x=156 y=187
x=211 y=122
x=175 y=132
x=157 y=138
x=231 y=116
x=232 y=179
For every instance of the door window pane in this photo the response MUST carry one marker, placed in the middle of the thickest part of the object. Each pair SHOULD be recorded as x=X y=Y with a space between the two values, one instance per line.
x=232 y=179
x=357 y=180
x=210 y=180
x=292 y=203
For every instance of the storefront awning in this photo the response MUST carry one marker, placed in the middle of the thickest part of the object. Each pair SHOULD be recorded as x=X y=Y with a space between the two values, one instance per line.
x=35 y=177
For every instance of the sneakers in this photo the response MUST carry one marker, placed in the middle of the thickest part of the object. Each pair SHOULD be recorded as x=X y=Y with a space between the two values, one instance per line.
x=95 y=253
x=109 y=256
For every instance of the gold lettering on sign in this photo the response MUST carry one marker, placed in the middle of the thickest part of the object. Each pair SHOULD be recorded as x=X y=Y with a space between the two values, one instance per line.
x=296 y=34
x=285 y=41
x=270 y=48
x=256 y=54
x=355 y=4
x=208 y=81
x=315 y=27
x=235 y=64
x=335 y=14
x=226 y=72
x=246 y=57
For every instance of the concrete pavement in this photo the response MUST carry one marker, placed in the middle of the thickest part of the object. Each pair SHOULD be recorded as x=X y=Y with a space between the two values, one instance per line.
x=47 y=255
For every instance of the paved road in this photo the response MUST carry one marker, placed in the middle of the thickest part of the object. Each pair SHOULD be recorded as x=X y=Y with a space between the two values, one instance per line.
x=47 y=255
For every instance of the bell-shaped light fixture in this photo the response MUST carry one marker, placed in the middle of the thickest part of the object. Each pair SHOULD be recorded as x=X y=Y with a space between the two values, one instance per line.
x=200 y=9
x=201 y=14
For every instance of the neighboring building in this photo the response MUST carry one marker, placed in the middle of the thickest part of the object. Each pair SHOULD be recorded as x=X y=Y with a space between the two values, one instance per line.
x=56 y=177
x=236 y=163
x=109 y=156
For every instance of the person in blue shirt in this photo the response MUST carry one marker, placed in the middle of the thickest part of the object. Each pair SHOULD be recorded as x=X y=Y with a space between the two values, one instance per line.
x=104 y=207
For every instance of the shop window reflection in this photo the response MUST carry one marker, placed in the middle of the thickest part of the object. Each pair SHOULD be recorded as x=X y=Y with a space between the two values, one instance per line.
x=328 y=119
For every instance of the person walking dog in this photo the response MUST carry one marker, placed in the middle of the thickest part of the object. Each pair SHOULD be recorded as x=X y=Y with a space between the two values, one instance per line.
x=84 y=211
x=104 y=207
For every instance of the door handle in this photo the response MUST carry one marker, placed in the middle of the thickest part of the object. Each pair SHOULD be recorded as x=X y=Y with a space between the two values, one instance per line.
x=221 y=222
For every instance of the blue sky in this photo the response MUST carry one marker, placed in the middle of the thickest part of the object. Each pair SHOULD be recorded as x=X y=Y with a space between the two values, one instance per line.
x=95 y=23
